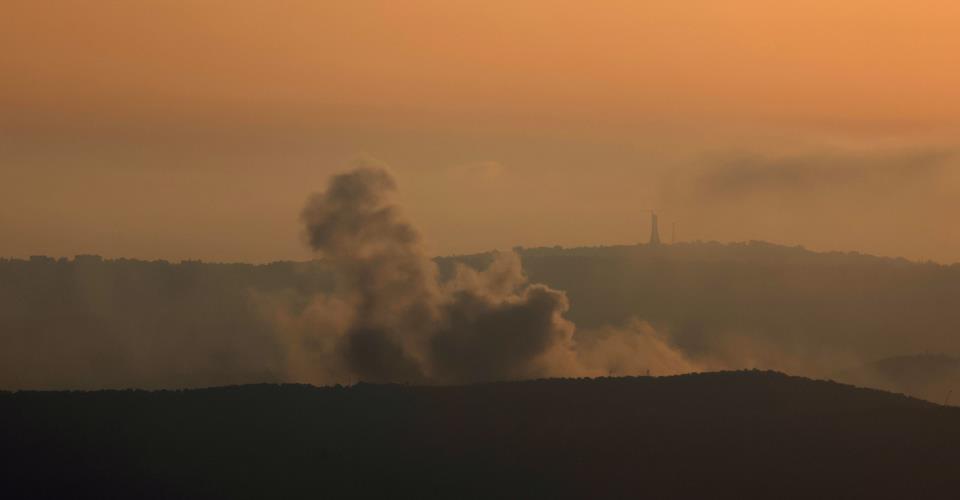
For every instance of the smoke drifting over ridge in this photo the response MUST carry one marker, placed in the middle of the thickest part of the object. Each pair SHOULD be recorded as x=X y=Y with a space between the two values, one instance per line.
x=399 y=322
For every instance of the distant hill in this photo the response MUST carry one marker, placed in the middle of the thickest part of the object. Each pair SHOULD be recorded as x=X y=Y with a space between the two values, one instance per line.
x=732 y=434
x=756 y=304
x=706 y=292
x=95 y=323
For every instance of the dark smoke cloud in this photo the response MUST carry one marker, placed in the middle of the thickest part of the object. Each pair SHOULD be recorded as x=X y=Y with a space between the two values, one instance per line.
x=499 y=327
x=381 y=270
x=749 y=174
x=404 y=324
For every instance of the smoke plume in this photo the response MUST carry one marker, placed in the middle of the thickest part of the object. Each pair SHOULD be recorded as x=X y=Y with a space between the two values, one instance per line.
x=399 y=322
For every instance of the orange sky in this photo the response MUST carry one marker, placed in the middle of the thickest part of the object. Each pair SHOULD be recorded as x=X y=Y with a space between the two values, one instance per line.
x=164 y=129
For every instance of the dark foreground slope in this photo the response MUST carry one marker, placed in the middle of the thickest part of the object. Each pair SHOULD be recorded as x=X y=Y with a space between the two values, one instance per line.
x=721 y=434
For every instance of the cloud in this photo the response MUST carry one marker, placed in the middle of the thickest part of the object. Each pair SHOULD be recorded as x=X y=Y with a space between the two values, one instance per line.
x=751 y=174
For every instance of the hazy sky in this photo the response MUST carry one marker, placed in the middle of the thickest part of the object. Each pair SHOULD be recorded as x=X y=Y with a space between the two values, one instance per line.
x=174 y=129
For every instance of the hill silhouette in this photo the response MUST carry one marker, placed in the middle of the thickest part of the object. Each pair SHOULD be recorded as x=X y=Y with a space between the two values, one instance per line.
x=728 y=434
x=89 y=323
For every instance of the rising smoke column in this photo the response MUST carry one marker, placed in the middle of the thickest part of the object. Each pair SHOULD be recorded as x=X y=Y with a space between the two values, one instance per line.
x=398 y=323
x=405 y=325
x=381 y=272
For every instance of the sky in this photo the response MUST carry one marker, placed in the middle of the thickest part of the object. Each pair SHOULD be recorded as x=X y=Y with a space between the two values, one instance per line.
x=197 y=130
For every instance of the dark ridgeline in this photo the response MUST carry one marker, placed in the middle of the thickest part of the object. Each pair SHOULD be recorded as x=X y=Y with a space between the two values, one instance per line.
x=732 y=434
